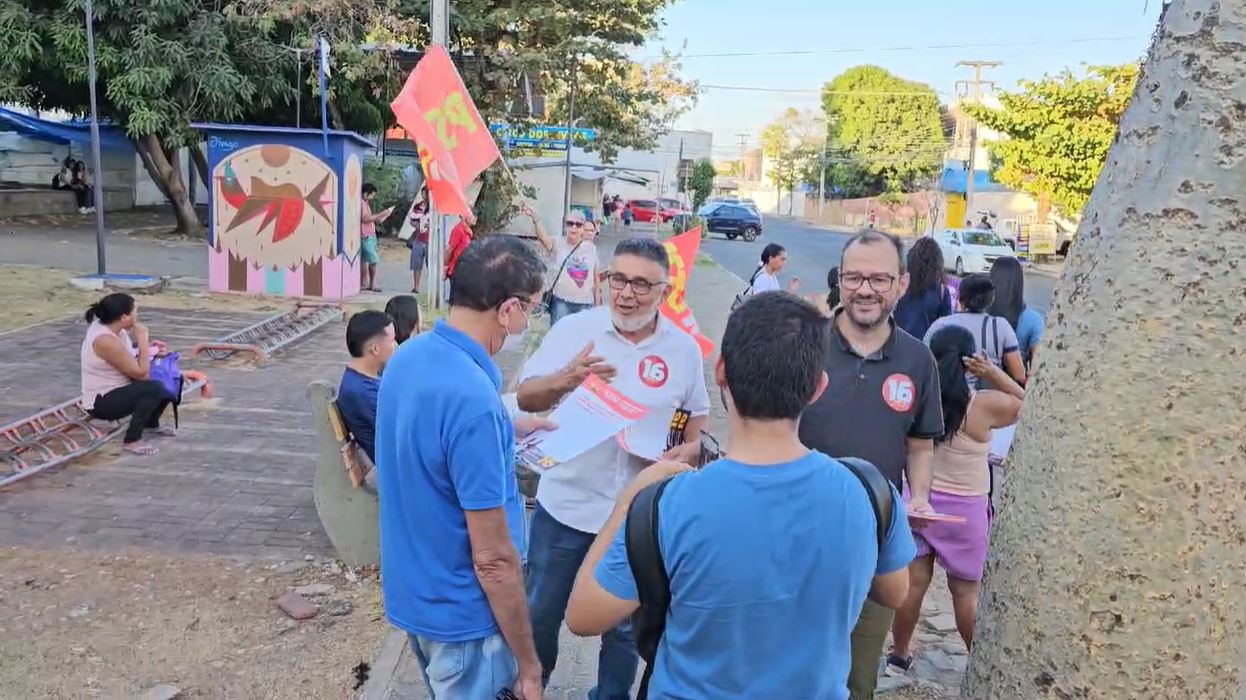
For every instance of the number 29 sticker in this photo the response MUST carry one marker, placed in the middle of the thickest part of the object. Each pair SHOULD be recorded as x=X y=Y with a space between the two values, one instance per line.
x=898 y=392
x=653 y=371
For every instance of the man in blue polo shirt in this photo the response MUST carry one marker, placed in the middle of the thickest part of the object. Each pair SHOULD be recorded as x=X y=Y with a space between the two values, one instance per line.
x=451 y=514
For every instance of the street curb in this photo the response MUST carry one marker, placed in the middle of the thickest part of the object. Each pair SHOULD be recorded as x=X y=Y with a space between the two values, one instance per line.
x=385 y=666
x=1045 y=273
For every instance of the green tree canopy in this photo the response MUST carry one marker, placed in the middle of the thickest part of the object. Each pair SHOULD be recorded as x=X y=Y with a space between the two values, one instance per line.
x=701 y=182
x=790 y=143
x=1059 y=130
x=886 y=127
x=164 y=65
x=160 y=66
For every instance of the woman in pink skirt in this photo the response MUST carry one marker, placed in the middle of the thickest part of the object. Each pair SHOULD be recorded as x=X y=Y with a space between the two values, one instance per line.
x=962 y=487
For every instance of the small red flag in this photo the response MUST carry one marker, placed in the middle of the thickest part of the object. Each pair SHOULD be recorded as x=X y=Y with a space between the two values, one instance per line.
x=682 y=250
x=454 y=143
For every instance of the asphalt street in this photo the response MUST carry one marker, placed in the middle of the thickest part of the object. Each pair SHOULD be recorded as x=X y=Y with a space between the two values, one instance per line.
x=811 y=251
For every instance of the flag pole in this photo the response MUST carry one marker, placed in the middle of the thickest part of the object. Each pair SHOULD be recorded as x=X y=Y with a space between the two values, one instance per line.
x=439 y=24
x=323 y=67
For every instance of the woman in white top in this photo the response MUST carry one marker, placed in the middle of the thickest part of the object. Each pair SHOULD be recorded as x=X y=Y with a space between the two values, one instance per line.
x=115 y=367
x=574 y=286
x=766 y=278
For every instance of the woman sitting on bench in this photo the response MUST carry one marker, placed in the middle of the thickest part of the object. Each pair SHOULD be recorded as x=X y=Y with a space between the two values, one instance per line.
x=115 y=381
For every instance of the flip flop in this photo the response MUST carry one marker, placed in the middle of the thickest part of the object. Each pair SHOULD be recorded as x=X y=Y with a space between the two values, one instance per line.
x=140 y=448
x=165 y=431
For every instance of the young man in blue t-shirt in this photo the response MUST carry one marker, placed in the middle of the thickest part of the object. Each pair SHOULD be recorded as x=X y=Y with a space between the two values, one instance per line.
x=370 y=341
x=771 y=551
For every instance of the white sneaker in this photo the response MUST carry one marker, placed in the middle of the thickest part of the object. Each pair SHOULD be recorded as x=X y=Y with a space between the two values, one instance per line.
x=82 y=210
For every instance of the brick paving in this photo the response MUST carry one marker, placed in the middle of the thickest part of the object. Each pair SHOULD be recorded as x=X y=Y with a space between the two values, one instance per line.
x=236 y=481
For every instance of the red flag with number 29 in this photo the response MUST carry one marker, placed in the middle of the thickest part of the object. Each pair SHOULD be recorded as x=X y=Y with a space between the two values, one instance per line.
x=454 y=144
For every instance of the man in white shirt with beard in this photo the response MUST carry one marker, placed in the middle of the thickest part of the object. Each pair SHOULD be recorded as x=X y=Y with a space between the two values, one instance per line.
x=648 y=359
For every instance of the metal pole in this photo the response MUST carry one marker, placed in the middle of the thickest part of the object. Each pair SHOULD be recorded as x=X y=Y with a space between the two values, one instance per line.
x=973 y=132
x=566 y=194
x=97 y=188
x=439 y=24
x=298 y=89
x=826 y=142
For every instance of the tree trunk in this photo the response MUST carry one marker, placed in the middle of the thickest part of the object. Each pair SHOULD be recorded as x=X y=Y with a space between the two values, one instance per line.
x=162 y=165
x=201 y=164
x=1118 y=562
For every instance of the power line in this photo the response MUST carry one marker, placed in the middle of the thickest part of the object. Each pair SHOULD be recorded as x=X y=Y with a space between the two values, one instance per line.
x=860 y=93
x=932 y=47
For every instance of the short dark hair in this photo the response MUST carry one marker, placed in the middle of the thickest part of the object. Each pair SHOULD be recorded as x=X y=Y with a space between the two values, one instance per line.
x=110 y=308
x=869 y=236
x=363 y=327
x=771 y=250
x=773 y=352
x=646 y=248
x=976 y=293
x=369 y=188
x=494 y=269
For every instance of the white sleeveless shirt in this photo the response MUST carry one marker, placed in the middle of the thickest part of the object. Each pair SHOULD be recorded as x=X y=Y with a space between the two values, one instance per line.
x=99 y=377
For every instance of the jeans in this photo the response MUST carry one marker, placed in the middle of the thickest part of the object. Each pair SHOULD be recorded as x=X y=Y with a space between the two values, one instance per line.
x=868 y=639
x=468 y=670
x=143 y=400
x=555 y=553
x=558 y=308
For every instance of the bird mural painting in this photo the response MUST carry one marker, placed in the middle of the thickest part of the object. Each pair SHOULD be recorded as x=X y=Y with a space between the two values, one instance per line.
x=281 y=205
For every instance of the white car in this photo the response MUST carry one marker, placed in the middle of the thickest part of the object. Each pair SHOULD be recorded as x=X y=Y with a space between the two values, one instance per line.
x=970 y=250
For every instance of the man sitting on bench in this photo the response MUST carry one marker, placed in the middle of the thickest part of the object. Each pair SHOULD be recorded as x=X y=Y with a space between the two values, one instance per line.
x=370 y=340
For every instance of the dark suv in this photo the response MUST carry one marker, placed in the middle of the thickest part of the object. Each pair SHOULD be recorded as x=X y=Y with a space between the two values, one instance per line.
x=734 y=220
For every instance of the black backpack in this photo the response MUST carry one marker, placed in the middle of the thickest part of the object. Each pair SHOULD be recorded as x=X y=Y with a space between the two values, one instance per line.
x=644 y=556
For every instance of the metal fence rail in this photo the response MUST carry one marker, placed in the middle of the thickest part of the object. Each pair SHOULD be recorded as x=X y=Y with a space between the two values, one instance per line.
x=55 y=436
x=273 y=333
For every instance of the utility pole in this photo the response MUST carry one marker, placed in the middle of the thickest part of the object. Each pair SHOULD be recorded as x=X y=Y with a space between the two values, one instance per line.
x=976 y=85
x=97 y=186
x=439 y=23
x=826 y=144
x=743 y=143
x=680 y=173
x=566 y=193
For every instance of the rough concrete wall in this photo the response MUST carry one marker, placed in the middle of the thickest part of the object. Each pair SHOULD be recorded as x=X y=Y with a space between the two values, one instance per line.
x=1118 y=562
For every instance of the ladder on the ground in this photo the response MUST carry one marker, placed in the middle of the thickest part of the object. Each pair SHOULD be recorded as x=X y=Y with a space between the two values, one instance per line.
x=273 y=333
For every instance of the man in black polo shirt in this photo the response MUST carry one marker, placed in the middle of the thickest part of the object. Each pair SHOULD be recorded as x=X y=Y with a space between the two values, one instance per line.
x=881 y=404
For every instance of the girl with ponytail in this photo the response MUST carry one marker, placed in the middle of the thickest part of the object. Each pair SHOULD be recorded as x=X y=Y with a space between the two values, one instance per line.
x=961 y=487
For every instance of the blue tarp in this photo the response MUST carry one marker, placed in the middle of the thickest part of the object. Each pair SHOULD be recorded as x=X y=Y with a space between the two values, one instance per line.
x=954 y=181
x=74 y=131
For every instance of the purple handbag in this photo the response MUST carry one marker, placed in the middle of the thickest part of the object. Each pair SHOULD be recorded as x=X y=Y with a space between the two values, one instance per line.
x=164 y=369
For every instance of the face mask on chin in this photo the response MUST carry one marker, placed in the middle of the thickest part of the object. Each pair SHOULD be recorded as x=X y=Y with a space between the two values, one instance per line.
x=514 y=342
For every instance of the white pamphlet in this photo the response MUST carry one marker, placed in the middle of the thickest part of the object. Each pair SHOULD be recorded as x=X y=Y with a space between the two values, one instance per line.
x=591 y=414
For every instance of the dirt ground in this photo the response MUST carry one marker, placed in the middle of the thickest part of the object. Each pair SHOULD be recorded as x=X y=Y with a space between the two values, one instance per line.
x=76 y=624
x=35 y=294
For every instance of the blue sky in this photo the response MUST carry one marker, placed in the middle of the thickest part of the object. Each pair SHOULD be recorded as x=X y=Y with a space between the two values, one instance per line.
x=1003 y=30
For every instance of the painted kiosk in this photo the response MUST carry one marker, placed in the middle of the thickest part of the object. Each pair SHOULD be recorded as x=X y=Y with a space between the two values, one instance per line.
x=284 y=215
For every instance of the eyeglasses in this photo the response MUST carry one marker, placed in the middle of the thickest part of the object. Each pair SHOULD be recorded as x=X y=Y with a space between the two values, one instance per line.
x=576 y=224
x=532 y=308
x=880 y=283
x=640 y=285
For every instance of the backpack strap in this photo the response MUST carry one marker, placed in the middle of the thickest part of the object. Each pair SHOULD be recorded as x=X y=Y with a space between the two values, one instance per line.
x=878 y=489
x=644 y=556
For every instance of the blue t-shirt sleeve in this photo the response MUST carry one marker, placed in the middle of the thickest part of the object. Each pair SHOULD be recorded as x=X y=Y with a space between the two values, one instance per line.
x=476 y=461
x=899 y=549
x=614 y=572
